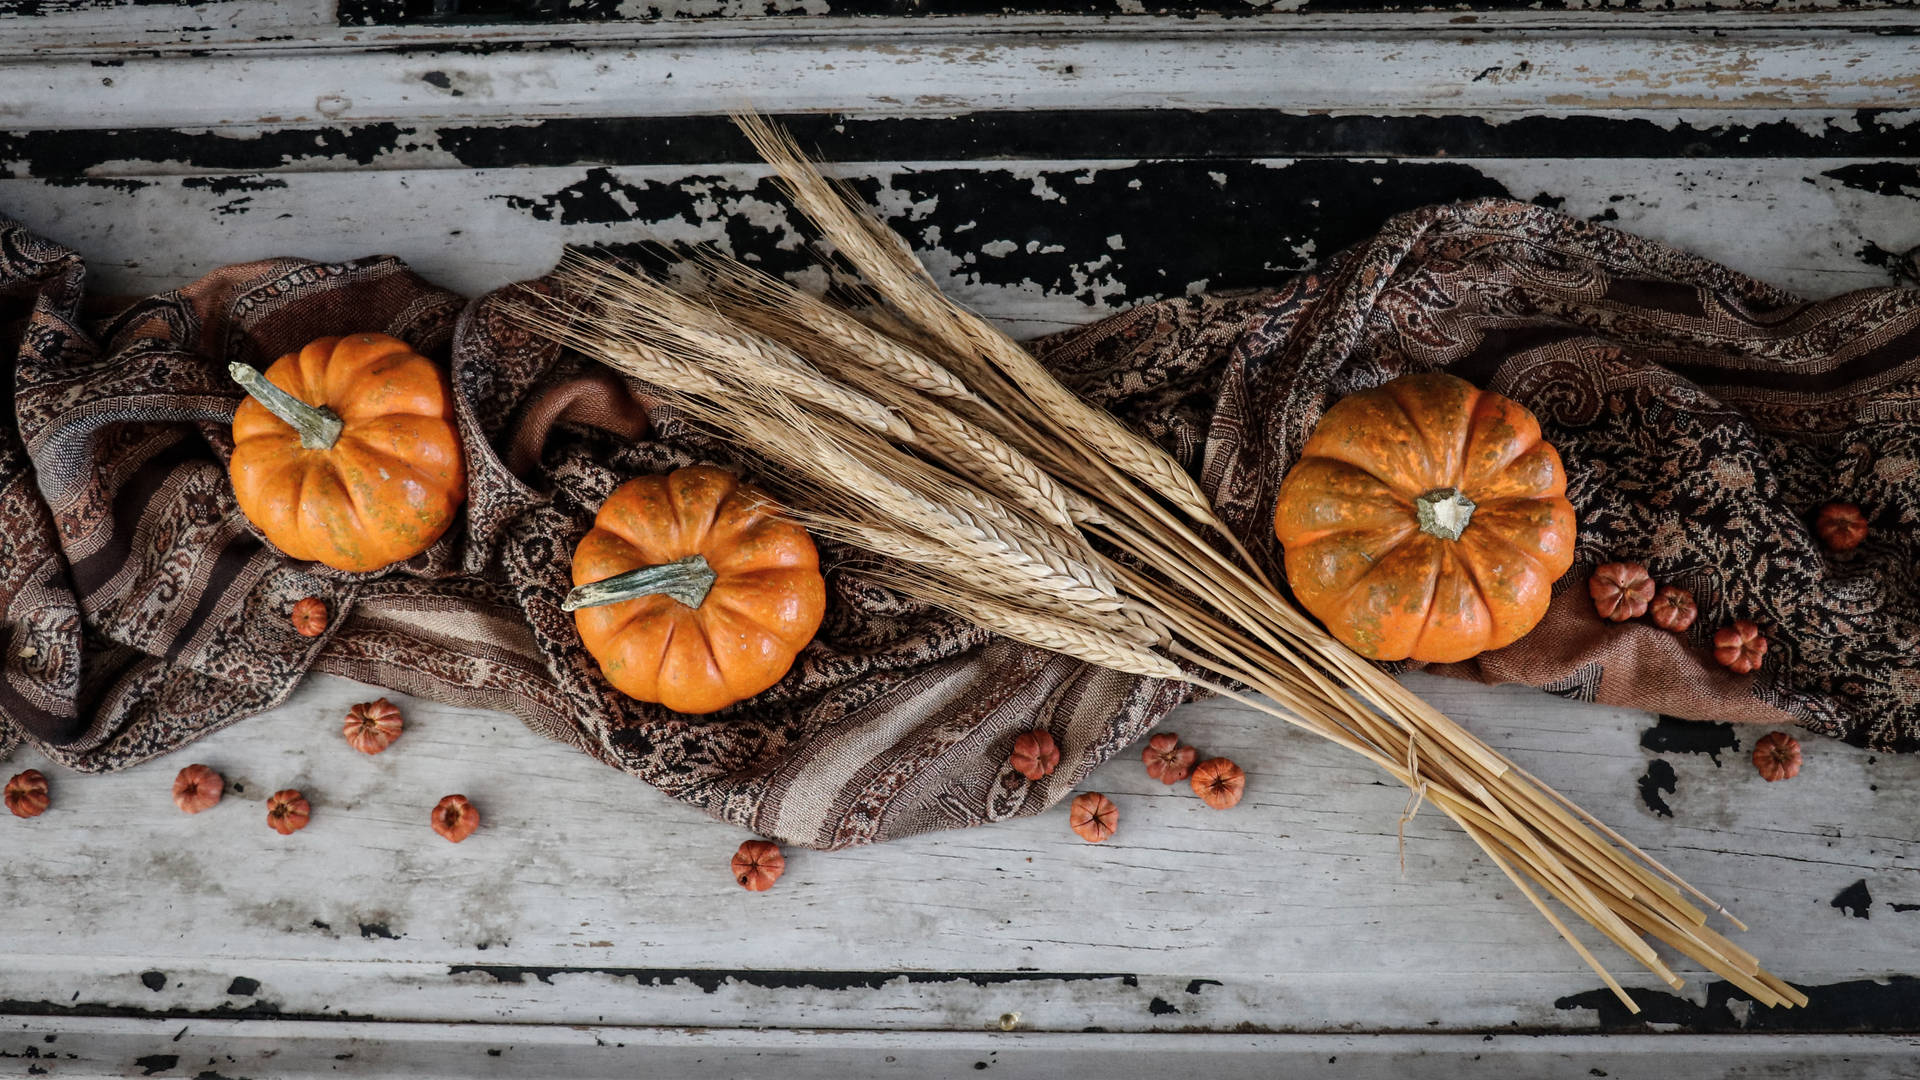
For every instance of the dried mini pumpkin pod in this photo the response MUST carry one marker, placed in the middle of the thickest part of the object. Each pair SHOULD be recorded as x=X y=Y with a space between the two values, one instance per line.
x=1673 y=609
x=1620 y=590
x=310 y=616
x=371 y=726
x=1035 y=755
x=1219 y=782
x=197 y=788
x=288 y=812
x=27 y=795
x=758 y=864
x=1840 y=526
x=1740 y=648
x=1166 y=760
x=1777 y=757
x=455 y=818
x=1093 y=816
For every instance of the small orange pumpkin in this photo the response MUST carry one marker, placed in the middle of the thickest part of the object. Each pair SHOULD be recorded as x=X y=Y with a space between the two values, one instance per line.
x=757 y=865
x=1035 y=755
x=1427 y=519
x=27 y=794
x=1219 y=783
x=691 y=590
x=371 y=726
x=288 y=812
x=1093 y=816
x=345 y=453
x=455 y=817
x=197 y=788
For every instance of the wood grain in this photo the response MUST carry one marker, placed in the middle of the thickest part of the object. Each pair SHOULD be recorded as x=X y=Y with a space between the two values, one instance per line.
x=1051 y=170
x=588 y=898
x=116 y=1047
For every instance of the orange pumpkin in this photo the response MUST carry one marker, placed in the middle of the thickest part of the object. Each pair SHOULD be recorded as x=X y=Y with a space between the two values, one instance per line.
x=692 y=591
x=1426 y=519
x=345 y=453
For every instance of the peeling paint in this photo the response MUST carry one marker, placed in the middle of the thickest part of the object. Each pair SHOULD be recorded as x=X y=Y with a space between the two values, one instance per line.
x=1043 y=134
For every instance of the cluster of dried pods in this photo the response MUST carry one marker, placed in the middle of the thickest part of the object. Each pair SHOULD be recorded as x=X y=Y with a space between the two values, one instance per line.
x=370 y=727
x=1624 y=590
x=1218 y=781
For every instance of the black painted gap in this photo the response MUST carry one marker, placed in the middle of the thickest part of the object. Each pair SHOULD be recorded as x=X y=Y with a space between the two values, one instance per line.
x=710 y=980
x=1044 y=135
x=29 y=8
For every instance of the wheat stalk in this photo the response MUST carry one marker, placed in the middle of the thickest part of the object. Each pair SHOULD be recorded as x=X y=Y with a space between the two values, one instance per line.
x=986 y=482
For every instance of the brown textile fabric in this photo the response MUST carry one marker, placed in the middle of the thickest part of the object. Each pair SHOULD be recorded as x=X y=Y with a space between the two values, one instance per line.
x=1703 y=417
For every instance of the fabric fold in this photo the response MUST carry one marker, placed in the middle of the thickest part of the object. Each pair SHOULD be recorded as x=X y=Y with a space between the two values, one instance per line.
x=1703 y=416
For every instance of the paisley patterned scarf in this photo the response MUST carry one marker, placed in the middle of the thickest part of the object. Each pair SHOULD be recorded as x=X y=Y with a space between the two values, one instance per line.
x=1703 y=416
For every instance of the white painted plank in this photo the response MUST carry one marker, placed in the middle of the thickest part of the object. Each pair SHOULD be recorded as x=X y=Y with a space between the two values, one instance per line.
x=274 y=24
x=112 y=1047
x=1291 y=909
x=461 y=228
x=933 y=68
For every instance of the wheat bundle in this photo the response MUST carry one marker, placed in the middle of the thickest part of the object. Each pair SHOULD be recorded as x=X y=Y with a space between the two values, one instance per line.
x=922 y=434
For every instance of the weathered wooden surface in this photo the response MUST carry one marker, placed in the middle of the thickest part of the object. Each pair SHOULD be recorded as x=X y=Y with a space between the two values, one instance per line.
x=588 y=898
x=1051 y=170
x=1036 y=244
x=298 y=1051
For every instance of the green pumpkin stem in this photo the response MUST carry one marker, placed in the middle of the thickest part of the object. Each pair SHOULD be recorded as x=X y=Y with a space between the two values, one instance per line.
x=687 y=580
x=319 y=426
x=1444 y=512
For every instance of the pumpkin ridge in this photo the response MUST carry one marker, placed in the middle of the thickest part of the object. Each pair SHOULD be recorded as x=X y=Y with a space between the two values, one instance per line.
x=296 y=514
x=363 y=358
x=1495 y=624
x=1433 y=579
x=1470 y=554
x=1485 y=411
x=700 y=536
x=743 y=683
x=356 y=493
x=317 y=530
x=1500 y=516
x=287 y=525
x=406 y=366
x=753 y=548
x=698 y=623
x=666 y=641
x=1454 y=554
x=387 y=460
x=1403 y=492
x=722 y=599
x=1345 y=598
x=618 y=519
x=308 y=370
x=1447 y=462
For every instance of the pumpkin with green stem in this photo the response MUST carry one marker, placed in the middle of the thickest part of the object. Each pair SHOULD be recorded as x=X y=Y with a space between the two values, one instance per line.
x=693 y=591
x=345 y=453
